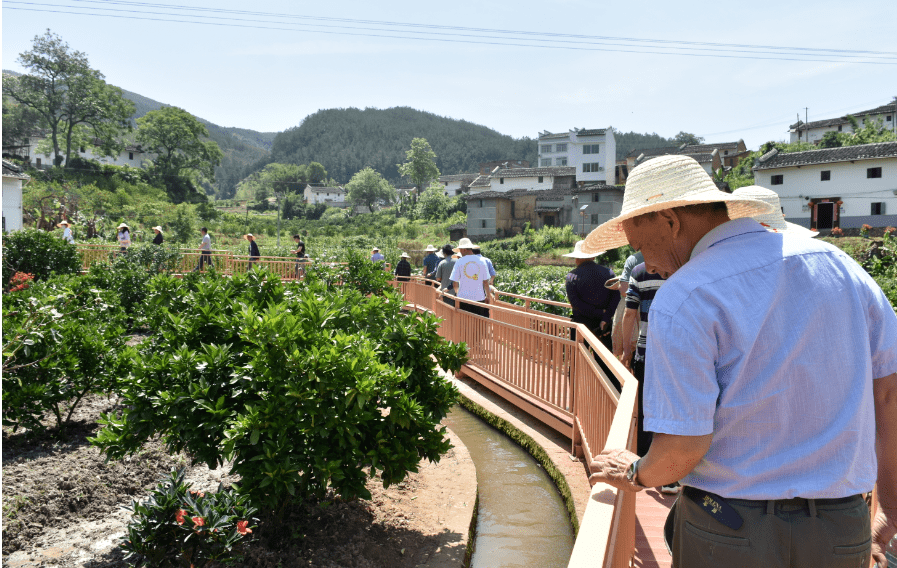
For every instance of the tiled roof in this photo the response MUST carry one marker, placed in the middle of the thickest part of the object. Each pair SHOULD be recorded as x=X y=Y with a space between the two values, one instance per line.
x=596 y=187
x=547 y=209
x=539 y=194
x=481 y=181
x=534 y=172
x=775 y=159
x=700 y=158
x=592 y=132
x=554 y=135
x=12 y=170
x=843 y=119
x=327 y=189
x=458 y=177
x=654 y=151
x=701 y=148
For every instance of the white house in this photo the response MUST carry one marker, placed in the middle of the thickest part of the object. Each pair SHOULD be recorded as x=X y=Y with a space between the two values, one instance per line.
x=834 y=187
x=815 y=130
x=456 y=184
x=710 y=161
x=591 y=152
x=13 y=176
x=326 y=195
x=132 y=155
x=533 y=179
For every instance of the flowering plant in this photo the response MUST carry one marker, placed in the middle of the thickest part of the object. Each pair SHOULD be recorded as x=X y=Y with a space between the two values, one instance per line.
x=20 y=281
x=864 y=230
x=179 y=527
x=837 y=232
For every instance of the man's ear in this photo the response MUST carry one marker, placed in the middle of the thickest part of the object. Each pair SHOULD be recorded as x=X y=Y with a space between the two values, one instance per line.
x=670 y=221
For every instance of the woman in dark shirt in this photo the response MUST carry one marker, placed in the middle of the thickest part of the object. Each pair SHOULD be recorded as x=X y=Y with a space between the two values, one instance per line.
x=157 y=240
x=301 y=256
x=253 y=250
x=403 y=268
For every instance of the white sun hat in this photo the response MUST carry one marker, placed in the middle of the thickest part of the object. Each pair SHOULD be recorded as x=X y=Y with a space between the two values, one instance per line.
x=663 y=183
x=123 y=226
x=578 y=253
x=375 y=249
x=157 y=228
x=775 y=221
x=430 y=248
x=440 y=254
x=63 y=222
x=405 y=255
x=463 y=244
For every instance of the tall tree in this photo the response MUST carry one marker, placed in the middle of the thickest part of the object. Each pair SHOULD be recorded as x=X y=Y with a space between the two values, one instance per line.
x=420 y=165
x=688 y=138
x=62 y=88
x=368 y=187
x=316 y=173
x=181 y=144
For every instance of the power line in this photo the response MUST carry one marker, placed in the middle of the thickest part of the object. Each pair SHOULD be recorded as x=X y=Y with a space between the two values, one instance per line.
x=716 y=53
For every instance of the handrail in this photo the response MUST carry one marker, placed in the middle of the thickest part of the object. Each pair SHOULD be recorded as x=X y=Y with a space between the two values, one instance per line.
x=529 y=358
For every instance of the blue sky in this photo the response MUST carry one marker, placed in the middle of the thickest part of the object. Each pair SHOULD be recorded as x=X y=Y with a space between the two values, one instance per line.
x=270 y=79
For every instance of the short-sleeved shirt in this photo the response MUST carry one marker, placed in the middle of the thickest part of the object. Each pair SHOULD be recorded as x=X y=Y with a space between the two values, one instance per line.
x=206 y=242
x=124 y=238
x=488 y=265
x=470 y=272
x=377 y=257
x=631 y=262
x=591 y=301
x=771 y=342
x=444 y=274
x=643 y=285
x=67 y=235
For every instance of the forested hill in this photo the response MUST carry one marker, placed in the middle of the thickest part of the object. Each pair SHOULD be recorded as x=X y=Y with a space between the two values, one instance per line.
x=347 y=140
x=629 y=141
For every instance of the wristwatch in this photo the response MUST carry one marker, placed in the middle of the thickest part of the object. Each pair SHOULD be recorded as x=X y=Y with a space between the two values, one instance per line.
x=632 y=472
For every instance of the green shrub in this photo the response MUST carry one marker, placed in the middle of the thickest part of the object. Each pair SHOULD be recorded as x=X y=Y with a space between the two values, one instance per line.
x=62 y=339
x=542 y=282
x=176 y=527
x=37 y=253
x=305 y=387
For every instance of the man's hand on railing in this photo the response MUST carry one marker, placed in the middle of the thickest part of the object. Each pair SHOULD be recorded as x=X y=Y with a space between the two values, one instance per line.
x=611 y=467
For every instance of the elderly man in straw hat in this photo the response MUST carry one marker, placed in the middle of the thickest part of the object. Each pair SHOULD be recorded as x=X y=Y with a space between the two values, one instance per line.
x=770 y=382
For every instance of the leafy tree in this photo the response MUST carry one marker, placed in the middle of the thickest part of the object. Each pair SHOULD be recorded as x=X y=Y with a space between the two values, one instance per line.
x=368 y=187
x=434 y=204
x=180 y=142
x=420 y=166
x=66 y=92
x=19 y=121
x=316 y=173
x=872 y=132
x=687 y=138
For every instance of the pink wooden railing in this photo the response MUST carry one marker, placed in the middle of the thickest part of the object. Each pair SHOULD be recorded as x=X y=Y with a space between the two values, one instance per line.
x=527 y=357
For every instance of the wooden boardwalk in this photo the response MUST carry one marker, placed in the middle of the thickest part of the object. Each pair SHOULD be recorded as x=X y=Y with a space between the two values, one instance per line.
x=651 y=509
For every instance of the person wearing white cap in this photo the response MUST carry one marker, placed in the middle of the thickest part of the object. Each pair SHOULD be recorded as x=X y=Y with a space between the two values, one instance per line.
x=774 y=221
x=430 y=262
x=771 y=369
x=124 y=238
x=470 y=278
x=159 y=238
x=66 y=231
x=403 y=268
x=593 y=304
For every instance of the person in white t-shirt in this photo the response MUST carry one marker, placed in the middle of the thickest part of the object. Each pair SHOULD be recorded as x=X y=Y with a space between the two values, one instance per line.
x=470 y=278
x=66 y=231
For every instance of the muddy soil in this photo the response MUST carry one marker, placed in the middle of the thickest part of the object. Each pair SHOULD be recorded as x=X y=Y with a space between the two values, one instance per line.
x=62 y=507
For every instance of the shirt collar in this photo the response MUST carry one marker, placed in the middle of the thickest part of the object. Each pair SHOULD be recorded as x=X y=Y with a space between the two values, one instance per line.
x=727 y=230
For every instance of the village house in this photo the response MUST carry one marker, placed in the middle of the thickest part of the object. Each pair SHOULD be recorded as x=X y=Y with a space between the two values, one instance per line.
x=834 y=187
x=13 y=177
x=590 y=152
x=503 y=213
x=532 y=179
x=326 y=195
x=814 y=131
x=26 y=149
x=712 y=157
x=457 y=184
x=487 y=167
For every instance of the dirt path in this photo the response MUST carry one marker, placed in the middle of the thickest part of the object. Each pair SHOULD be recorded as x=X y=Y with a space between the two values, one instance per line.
x=62 y=508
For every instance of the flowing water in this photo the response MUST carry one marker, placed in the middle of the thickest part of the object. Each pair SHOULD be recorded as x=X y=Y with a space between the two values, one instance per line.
x=522 y=519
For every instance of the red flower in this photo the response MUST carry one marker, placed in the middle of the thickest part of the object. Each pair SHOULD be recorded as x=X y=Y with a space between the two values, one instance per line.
x=241 y=527
x=198 y=521
x=179 y=516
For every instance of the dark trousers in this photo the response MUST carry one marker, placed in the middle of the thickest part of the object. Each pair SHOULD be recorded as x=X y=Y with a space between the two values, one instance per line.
x=475 y=309
x=204 y=258
x=644 y=438
x=799 y=533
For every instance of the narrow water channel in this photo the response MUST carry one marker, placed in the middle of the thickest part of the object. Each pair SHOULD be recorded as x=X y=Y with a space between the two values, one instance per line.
x=522 y=519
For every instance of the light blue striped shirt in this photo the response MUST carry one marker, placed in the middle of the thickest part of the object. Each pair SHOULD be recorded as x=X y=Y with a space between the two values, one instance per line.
x=771 y=342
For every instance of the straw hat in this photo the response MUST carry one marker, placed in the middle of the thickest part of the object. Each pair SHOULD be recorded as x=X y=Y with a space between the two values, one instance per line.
x=63 y=222
x=157 y=228
x=577 y=252
x=613 y=283
x=463 y=244
x=405 y=255
x=456 y=255
x=430 y=248
x=440 y=254
x=775 y=221
x=123 y=226
x=663 y=183
x=247 y=236
x=375 y=249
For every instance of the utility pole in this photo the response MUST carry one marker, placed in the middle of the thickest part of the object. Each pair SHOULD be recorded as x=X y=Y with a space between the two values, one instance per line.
x=807 y=122
x=798 y=127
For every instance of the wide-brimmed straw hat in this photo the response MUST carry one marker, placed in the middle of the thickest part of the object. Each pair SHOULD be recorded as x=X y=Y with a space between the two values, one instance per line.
x=440 y=254
x=375 y=249
x=430 y=248
x=63 y=222
x=464 y=243
x=247 y=235
x=663 y=183
x=578 y=253
x=613 y=283
x=405 y=255
x=774 y=221
x=157 y=228
x=123 y=226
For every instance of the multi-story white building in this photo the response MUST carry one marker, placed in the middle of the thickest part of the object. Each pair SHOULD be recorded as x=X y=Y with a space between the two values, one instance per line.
x=591 y=152
x=834 y=187
x=814 y=131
